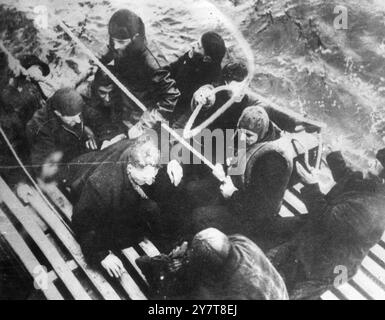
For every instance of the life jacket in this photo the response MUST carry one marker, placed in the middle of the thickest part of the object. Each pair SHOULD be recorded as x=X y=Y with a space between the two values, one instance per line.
x=291 y=147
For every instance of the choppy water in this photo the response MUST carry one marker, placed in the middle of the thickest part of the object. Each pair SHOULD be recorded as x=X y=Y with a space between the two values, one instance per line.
x=302 y=62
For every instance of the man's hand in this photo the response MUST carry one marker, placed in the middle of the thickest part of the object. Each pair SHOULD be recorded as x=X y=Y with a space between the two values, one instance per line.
x=175 y=172
x=136 y=131
x=150 y=118
x=238 y=90
x=15 y=67
x=24 y=192
x=179 y=252
x=228 y=188
x=204 y=96
x=305 y=176
x=113 y=265
x=91 y=142
x=35 y=73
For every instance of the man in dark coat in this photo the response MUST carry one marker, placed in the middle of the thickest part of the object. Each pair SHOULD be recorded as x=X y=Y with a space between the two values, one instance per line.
x=137 y=67
x=24 y=95
x=103 y=113
x=57 y=133
x=341 y=228
x=217 y=267
x=254 y=193
x=197 y=67
x=13 y=128
x=112 y=216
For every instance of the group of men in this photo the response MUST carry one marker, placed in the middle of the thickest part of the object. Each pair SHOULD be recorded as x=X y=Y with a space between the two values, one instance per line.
x=228 y=238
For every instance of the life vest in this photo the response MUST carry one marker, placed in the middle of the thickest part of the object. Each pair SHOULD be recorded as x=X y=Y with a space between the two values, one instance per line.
x=291 y=147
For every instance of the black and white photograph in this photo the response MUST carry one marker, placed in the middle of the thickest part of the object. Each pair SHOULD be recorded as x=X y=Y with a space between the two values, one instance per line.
x=186 y=152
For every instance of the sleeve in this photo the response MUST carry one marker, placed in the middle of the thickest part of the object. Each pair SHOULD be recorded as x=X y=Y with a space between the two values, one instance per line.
x=314 y=199
x=87 y=220
x=163 y=86
x=168 y=93
x=267 y=187
x=338 y=166
x=107 y=56
x=175 y=66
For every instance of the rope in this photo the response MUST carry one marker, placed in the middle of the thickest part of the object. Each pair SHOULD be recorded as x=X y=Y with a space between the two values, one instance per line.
x=132 y=97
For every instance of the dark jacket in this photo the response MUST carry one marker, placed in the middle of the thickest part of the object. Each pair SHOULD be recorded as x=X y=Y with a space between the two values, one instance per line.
x=47 y=134
x=247 y=275
x=342 y=227
x=24 y=102
x=190 y=74
x=110 y=214
x=14 y=130
x=105 y=122
x=146 y=79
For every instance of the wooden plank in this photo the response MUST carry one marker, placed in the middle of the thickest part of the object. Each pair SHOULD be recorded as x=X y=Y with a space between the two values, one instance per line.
x=130 y=286
x=295 y=202
x=369 y=286
x=24 y=216
x=126 y=281
x=374 y=271
x=72 y=246
x=350 y=293
x=149 y=248
x=379 y=252
x=18 y=245
x=71 y=264
x=329 y=296
x=60 y=200
x=285 y=212
x=132 y=255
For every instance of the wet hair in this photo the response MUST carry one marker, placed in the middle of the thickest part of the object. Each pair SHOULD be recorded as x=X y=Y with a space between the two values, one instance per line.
x=142 y=153
x=234 y=71
x=210 y=251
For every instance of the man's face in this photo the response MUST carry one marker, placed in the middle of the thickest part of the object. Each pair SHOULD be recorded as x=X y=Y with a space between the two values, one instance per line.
x=198 y=51
x=70 y=121
x=248 y=136
x=104 y=94
x=143 y=176
x=121 y=45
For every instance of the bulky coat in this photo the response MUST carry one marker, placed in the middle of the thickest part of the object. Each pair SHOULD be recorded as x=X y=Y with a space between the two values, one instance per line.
x=341 y=229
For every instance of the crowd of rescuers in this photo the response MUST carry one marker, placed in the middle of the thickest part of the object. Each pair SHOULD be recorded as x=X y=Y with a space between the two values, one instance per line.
x=225 y=239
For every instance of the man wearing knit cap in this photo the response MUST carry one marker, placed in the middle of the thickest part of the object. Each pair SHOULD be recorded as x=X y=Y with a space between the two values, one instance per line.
x=201 y=65
x=57 y=134
x=220 y=267
x=251 y=200
x=137 y=67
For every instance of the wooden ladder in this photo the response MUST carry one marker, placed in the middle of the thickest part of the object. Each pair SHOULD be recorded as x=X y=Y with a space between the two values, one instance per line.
x=56 y=252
